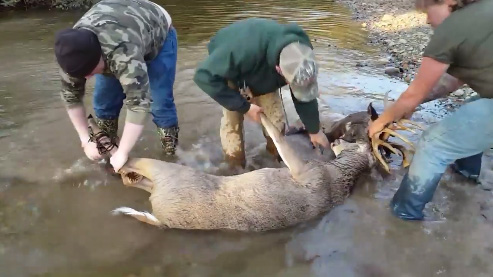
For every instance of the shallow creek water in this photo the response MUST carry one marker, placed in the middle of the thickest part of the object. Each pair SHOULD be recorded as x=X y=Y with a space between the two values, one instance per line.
x=55 y=204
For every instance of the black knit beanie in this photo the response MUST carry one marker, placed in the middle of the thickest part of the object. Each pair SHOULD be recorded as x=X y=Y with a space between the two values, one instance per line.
x=77 y=51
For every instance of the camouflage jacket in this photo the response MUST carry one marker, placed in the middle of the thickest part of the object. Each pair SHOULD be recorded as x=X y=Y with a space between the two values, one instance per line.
x=131 y=32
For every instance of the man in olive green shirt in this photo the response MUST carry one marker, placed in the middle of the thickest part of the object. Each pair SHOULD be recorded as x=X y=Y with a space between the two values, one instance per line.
x=462 y=46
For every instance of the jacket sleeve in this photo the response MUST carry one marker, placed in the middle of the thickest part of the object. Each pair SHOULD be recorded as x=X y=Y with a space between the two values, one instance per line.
x=73 y=89
x=128 y=66
x=212 y=76
x=309 y=115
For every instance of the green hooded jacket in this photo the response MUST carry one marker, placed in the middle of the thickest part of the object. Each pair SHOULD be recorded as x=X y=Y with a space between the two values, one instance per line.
x=246 y=53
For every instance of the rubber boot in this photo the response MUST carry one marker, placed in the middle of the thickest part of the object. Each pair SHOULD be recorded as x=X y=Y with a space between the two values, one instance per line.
x=469 y=167
x=169 y=139
x=109 y=126
x=235 y=161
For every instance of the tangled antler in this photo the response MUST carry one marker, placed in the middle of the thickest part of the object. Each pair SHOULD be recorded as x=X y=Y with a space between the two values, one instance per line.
x=103 y=142
x=380 y=140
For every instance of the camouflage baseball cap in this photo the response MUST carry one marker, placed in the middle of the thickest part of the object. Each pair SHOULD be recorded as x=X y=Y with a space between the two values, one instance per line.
x=299 y=67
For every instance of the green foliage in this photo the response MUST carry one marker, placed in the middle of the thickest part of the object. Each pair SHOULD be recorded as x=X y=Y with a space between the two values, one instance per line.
x=9 y=3
x=72 y=4
x=58 y=4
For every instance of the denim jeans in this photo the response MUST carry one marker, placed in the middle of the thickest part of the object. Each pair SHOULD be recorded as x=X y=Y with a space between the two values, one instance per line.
x=109 y=96
x=461 y=138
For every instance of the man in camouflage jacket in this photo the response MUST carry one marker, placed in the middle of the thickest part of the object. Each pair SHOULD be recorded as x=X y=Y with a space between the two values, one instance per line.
x=130 y=47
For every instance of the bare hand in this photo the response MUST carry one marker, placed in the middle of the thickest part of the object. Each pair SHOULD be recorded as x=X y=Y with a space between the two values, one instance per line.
x=91 y=151
x=254 y=113
x=118 y=159
x=320 y=139
x=375 y=127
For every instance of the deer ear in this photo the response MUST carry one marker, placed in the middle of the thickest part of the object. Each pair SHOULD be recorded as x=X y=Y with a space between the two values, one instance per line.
x=372 y=112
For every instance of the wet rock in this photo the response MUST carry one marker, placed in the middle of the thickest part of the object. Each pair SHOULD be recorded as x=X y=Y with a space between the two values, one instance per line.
x=392 y=71
x=382 y=61
x=399 y=30
x=387 y=17
x=458 y=93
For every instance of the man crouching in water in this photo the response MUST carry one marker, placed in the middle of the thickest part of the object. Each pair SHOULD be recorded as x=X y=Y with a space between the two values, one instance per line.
x=131 y=48
x=248 y=62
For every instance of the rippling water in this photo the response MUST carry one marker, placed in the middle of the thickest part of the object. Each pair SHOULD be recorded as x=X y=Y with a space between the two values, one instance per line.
x=55 y=204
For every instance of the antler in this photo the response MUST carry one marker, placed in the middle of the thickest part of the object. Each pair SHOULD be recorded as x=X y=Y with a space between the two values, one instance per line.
x=380 y=140
x=103 y=142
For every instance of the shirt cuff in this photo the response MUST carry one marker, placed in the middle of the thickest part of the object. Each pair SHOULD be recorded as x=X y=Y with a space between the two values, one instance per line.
x=73 y=105
x=312 y=126
x=244 y=108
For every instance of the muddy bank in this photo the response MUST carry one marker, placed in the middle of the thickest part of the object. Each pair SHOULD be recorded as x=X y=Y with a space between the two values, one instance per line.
x=401 y=32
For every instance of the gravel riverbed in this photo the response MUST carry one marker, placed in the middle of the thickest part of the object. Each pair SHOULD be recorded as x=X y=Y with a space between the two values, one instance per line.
x=399 y=31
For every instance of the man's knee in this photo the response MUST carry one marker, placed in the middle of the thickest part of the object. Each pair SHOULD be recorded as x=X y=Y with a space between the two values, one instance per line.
x=271 y=103
x=432 y=148
x=426 y=160
x=232 y=141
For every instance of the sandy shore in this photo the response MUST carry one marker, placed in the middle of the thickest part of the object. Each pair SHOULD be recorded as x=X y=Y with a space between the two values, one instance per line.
x=399 y=30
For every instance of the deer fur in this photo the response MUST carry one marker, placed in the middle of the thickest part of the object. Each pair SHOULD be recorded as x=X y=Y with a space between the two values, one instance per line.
x=261 y=200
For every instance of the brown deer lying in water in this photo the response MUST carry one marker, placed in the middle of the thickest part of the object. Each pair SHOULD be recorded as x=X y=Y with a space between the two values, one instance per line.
x=264 y=199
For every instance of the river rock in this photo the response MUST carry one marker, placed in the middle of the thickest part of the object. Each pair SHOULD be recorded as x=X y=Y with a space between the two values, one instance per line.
x=387 y=17
x=383 y=61
x=458 y=93
x=392 y=71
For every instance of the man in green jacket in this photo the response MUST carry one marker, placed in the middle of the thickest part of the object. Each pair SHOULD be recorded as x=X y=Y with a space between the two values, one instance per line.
x=248 y=63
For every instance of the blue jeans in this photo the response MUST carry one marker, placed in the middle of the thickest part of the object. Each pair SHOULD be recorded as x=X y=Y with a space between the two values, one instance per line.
x=460 y=138
x=109 y=96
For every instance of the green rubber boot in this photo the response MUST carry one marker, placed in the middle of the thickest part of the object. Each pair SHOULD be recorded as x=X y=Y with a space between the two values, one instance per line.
x=169 y=139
